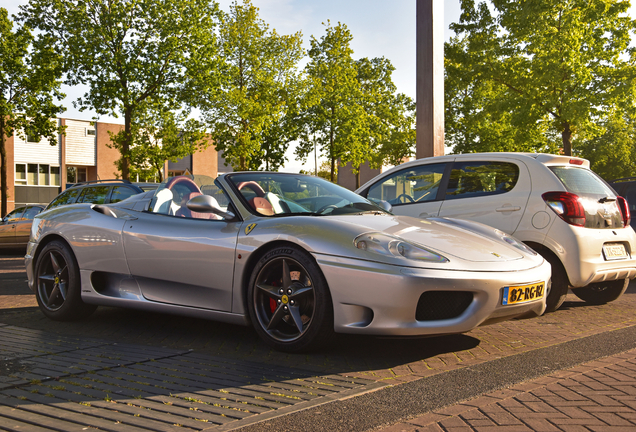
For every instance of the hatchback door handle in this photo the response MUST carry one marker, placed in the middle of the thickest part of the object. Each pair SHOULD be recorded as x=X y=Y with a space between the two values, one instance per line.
x=509 y=209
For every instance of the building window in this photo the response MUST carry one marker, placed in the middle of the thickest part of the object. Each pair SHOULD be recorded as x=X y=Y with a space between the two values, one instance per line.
x=75 y=174
x=43 y=178
x=37 y=175
x=32 y=174
x=32 y=138
x=55 y=175
x=90 y=132
x=20 y=174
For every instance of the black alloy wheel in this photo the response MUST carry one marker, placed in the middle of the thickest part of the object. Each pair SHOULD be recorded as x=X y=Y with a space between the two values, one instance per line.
x=57 y=284
x=289 y=302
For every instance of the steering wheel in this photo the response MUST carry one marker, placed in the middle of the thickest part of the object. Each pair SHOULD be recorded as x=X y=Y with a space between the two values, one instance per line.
x=325 y=207
x=255 y=187
x=408 y=197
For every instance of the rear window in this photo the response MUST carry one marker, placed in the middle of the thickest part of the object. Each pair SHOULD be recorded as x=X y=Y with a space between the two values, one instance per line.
x=94 y=195
x=120 y=193
x=581 y=181
x=67 y=197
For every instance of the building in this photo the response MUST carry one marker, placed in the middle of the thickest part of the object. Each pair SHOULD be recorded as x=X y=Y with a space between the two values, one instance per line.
x=37 y=171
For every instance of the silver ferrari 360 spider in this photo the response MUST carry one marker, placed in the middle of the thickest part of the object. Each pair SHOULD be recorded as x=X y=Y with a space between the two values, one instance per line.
x=297 y=256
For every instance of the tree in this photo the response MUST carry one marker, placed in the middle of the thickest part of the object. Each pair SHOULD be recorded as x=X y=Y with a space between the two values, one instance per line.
x=399 y=144
x=612 y=155
x=335 y=118
x=536 y=75
x=30 y=72
x=127 y=51
x=247 y=115
x=160 y=134
x=390 y=137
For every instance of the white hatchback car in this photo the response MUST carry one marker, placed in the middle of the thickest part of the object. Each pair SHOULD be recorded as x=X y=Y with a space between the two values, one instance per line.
x=555 y=204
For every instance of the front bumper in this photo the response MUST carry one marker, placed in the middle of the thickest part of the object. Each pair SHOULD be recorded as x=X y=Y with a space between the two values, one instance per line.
x=379 y=299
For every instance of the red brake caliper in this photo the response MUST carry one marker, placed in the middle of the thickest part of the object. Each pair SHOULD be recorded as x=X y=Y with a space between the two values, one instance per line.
x=272 y=302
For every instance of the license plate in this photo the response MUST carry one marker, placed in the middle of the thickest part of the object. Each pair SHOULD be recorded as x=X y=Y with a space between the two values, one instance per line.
x=522 y=294
x=614 y=251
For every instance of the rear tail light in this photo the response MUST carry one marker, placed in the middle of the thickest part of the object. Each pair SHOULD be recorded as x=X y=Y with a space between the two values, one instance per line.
x=567 y=205
x=624 y=207
x=576 y=161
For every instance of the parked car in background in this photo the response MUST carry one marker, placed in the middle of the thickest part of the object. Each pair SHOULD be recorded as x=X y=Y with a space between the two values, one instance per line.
x=15 y=227
x=296 y=256
x=100 y=192
x=626 y=187
x=555 y=204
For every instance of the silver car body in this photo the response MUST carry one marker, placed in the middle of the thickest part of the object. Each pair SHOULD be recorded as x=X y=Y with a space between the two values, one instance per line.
x=131 y=257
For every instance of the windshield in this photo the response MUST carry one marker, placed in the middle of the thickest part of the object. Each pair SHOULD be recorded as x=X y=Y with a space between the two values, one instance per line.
x=282 y=194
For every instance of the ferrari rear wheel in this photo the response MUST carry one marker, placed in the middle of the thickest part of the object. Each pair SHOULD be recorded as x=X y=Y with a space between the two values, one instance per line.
x=289 y=302
x=57 y=283
x=602 y=292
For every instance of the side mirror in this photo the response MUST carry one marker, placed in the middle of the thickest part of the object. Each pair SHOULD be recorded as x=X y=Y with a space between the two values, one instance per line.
x=207 y=204
x=385 y=205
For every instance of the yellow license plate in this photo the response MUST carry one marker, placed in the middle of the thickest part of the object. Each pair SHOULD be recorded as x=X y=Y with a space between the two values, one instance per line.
x=522 y=294
x=614 y=251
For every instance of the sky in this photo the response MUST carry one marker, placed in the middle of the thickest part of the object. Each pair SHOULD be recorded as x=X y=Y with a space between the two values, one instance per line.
x=380 y=28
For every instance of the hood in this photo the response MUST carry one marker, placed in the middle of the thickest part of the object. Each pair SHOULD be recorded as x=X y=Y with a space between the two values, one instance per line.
x=447 y=238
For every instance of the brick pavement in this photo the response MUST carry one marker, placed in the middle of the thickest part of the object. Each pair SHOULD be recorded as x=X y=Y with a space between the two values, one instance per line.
x=393 y=361
x=596 y=396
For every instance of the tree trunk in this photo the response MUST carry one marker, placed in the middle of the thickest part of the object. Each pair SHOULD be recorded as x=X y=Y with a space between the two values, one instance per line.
x=358 y=179
x=3 y=170
x=125 y=145
x=566 y=135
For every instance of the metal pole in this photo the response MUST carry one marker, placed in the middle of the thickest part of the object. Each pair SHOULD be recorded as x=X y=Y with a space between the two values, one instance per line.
x=430 y=78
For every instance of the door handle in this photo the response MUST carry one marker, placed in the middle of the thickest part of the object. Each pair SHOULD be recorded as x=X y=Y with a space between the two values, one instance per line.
x=508 y=209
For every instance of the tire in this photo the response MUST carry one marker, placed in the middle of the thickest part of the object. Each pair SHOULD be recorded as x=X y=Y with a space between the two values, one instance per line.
x=289 y=302
x=57 y=284
x=602 y=292
x=559 y=286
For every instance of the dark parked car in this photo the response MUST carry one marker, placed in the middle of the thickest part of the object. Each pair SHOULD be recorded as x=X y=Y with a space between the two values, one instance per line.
x=100 y=192
x=626 y=187
x=15 y=227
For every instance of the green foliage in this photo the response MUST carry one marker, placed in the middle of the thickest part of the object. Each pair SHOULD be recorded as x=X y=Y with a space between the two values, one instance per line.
x=353 y=112
x=251 y=114
x=128 y=51
x=160 y=134
x=335 y=118
x=538 y=75
x=613 y=154
x=30 y=72
x=324 y=171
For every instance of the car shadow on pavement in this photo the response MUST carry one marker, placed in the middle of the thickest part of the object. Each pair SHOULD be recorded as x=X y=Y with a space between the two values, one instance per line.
x=345 y=353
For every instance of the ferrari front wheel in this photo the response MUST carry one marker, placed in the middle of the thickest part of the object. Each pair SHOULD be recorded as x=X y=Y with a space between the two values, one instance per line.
x=57 y=284
x=289 y=301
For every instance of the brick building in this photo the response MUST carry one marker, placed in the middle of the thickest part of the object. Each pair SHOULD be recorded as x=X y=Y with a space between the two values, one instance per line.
x=37 y=171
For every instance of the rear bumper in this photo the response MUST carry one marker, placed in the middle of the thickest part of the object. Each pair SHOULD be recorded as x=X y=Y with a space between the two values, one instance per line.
x=581 y=252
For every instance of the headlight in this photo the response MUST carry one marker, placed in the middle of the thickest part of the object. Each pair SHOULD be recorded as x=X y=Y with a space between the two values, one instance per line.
x=514 y=242
x=387 y=245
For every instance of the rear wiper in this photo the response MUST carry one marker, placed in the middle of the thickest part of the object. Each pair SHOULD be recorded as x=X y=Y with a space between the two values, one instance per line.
x=607 y=199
